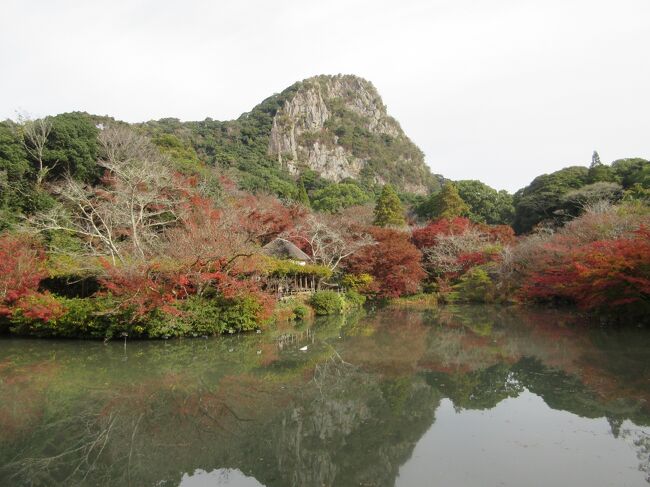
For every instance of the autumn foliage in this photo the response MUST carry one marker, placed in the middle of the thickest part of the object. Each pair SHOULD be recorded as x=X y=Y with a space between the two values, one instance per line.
x=393 y=261
x=427 y=236
x=603 y=273
x=212 y=251
x=22 y=268
x=264 y=217
x=167 y=254
x=452 y=246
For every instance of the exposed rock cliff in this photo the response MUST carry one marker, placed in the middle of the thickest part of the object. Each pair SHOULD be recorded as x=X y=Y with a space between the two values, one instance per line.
x=338 y=126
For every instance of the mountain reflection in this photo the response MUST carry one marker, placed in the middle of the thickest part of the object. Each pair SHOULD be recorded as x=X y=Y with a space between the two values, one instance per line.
x=390 y=398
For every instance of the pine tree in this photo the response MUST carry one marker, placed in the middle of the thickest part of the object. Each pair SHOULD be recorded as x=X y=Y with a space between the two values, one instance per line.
x=389 y=210
x=599 y=172
x=303 y=197
x=447 y=203
x=595 y=160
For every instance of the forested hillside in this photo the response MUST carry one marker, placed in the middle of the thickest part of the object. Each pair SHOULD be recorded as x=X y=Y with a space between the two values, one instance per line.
x=557 y=197
x=163 y=228
x=318 y=131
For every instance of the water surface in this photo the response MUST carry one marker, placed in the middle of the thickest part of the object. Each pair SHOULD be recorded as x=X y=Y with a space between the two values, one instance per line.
x=462 y=396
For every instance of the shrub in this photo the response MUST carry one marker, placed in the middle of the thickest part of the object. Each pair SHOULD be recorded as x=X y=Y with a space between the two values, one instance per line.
x=605 y=275
x=200 y=316
x=78 y=318
x=241 y=314
x=301 y=312
x=102 y=317
x=326 y=302
x=353 y=299
x=290 y=310
x=475 y=286
x=357 y=282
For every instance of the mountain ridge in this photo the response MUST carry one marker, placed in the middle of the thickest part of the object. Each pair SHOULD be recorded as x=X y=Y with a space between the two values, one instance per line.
x=339 y=126
x=334 y=125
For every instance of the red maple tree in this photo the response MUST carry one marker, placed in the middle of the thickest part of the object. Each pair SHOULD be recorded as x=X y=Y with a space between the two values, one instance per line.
x=604 y=273
x=394 y=263
x=22 y=268
x=426 y=236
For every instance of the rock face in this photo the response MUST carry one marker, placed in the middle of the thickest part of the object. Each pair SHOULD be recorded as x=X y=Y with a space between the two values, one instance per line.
x=338 y=126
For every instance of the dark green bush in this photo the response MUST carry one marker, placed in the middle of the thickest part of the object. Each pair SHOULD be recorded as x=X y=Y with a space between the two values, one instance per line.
x=326 y=302
x=83 y=318
x=100 y=318
x=207 y=317
x=240 y=314
x=300 y=312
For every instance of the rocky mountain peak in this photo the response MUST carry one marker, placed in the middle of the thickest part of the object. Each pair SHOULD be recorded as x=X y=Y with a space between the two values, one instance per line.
x=338 y=126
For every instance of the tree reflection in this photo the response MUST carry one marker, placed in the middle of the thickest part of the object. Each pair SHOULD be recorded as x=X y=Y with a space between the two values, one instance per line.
x=348 y=411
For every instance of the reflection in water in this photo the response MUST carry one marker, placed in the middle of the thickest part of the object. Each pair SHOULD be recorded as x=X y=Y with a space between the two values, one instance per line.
x=521 y=441
x=460 y=396
x=222 y=477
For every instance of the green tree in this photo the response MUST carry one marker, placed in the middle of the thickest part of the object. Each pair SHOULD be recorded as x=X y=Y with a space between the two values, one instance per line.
x=446 y=203
x=303 y=197
x=14 y=173
x=539 y=200
x=475 y=286
x=632 y=171
x=389 y=210
x=338 y=196
x=72 y=146
x=181 y=153
x=312 y=180
x=595 y=160
x=486 y=205
x=599 y=172
x=574 y=202
x=637 y=193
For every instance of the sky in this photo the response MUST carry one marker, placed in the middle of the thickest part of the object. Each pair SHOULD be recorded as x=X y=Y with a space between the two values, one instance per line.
x=498 y=90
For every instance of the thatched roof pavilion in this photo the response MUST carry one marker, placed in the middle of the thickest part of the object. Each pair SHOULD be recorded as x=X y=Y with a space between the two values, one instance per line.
x=283 y=249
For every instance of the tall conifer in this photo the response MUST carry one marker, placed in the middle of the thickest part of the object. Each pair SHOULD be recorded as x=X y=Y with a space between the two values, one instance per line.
x=389 y=210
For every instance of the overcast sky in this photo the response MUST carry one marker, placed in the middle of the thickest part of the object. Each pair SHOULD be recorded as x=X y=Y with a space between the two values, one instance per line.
x=500 y=90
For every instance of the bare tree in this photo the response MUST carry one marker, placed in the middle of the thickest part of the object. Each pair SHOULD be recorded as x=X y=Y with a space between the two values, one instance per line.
x=329 y=241
x=142 y=187
x=443 y=256
x=86 y=213
x=35 y=136
x=126 y=215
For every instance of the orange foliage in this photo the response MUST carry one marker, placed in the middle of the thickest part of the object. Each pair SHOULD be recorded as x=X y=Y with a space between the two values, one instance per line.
x=605 y=273
x=394 y=263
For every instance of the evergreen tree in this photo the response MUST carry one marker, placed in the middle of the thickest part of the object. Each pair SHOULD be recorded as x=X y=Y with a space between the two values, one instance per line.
x=599 y=172
x=486 y=205
x=447 y=203
x=595 y=160
x=389 y=210
x=303 y=197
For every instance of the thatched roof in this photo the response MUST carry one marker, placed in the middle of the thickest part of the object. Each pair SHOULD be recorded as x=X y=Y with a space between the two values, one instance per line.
x=283 y=249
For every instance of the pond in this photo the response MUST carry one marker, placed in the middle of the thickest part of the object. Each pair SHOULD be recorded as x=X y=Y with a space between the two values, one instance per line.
x=459 y=396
